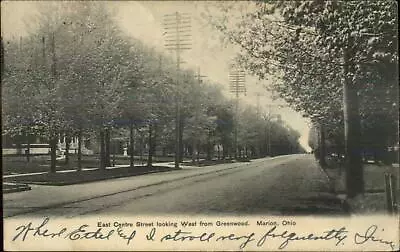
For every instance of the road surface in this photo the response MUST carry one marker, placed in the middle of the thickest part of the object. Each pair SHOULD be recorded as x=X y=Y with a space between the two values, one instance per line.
x=285 y=185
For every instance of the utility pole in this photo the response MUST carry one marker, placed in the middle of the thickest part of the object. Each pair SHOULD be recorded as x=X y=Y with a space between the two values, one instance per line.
x=270 y=116
x=177 y=35
x=53 y=134
x=195 y=146
x=54 y=59
x=258 y=104
x=352 y=125
x=20 y=44
x=44 y=61
x=237 y=86
x=2 y=57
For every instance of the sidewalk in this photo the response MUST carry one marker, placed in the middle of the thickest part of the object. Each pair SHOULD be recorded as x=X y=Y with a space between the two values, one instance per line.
x=86 y=175
x=41 y=164
x=49 y=196
x=166 y=164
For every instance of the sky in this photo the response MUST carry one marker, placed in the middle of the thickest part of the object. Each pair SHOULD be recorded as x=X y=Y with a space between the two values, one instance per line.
x=143 y=20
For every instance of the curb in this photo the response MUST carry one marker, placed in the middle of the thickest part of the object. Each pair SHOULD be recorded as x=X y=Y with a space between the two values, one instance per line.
x=330 y=180
x=338 y=194
x=17 y=188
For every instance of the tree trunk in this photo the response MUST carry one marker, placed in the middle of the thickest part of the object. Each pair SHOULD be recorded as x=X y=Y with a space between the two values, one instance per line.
x=208 y=157
x=80 y=150
x=154 y=141
x=131 y=154
x=107 y=139
x=322 y=151
x=181 y=128
x=102 y=150
x=198 y=154
x=67 y=145
x=28 y=148
x=235 y=145
x=177 y=134
x=150 y=154
x=141 y=150
x=53 y=153
x=376 y=156
x=353 y=166
x=193 y=152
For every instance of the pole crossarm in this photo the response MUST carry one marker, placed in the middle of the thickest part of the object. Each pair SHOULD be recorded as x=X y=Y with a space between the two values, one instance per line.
x=174 y=41
x=237 y=81
x=180 y=13
x=178 y=47
x=178 y=44
x=173 y=35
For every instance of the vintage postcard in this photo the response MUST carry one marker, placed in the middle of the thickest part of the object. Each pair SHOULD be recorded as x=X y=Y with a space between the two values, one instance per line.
x=200 y=125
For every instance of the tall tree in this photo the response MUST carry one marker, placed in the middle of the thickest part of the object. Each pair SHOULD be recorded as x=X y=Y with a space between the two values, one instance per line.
x=322 y=53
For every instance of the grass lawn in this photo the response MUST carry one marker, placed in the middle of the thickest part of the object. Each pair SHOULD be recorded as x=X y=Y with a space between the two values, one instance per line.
x=374 y=198
x=75 y=177
x=18 y=164
x=373 y=177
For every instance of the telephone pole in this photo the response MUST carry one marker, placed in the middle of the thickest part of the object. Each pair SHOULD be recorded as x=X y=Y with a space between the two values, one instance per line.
x=258 y=104
x=237 y=86
x=352 y=124
x=177 y=28
x=269 y=129
x=199 y=77
x=2 y=57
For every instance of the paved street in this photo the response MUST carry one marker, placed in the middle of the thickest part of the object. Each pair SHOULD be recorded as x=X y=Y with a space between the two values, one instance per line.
x=282 y=185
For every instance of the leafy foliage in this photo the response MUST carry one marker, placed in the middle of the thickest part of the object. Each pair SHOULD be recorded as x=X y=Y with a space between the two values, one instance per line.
x=299 y=44
x=78 y=73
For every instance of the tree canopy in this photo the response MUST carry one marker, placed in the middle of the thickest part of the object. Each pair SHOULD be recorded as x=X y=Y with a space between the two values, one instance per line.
x=78 y=74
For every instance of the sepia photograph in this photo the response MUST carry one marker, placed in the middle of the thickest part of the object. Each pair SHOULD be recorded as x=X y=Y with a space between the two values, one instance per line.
x=271 y=114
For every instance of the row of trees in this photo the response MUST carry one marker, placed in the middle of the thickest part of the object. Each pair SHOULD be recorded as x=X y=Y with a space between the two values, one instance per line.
x=335 y=61
x=77 y=73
